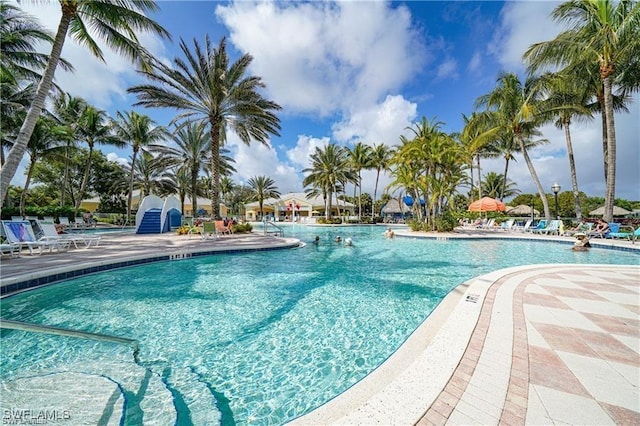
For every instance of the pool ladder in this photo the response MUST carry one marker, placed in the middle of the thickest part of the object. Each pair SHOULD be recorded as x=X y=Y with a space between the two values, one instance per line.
x=59 y=331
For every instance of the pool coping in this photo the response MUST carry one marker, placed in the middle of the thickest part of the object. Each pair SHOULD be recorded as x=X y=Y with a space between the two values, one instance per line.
x=406 y=387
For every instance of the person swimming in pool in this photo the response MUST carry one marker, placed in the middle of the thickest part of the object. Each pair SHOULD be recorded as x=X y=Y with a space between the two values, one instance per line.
x=316 y=240
x=582 y=243
x=389 y=233
x=338 y=239
x=348 y=242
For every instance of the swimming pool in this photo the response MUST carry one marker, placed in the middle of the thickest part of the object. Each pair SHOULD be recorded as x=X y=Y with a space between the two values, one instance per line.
x=261 y=337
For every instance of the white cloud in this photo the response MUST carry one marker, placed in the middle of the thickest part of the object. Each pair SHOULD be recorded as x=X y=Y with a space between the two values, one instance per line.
x=326 y=57
x=305 y=146
x=448 y=70
x=257 y=160
x=475 y=62
x=522 y=23
x=112 y=156
x=382 y=123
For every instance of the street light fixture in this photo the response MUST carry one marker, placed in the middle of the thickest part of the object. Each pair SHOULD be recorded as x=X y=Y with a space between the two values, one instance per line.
x=556 y=188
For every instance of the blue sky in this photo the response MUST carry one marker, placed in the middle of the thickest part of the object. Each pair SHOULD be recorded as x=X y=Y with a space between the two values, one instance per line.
x=362 y=71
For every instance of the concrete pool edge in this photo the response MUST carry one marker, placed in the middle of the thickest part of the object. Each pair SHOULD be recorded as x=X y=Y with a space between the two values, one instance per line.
x=418 y=385
x=37 y=277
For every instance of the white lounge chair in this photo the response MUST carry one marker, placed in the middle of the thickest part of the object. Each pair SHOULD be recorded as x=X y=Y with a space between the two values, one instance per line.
x=11 y=249
x=50 y=233
x=21 y=234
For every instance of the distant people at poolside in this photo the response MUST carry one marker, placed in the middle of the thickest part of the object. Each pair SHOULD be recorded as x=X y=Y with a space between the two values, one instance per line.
x=582 y=226
x=59 y=228
x=389 y=233
x=601 y=228
x=582 y=242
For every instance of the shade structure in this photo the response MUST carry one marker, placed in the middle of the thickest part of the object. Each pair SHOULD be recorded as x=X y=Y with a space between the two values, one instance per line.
x=521 y=210
x=487 y=204
x=617 y=211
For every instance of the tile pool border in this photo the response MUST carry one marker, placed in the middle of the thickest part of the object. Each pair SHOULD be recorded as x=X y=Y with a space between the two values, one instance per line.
x=21 y=283
x=595 y=243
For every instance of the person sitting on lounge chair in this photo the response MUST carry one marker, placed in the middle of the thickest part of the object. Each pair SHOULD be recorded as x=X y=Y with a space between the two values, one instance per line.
x=582 y=226
x=600 y=230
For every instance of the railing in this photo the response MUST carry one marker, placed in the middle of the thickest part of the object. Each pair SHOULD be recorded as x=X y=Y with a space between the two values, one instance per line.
x=279 y=232
x=58 y=331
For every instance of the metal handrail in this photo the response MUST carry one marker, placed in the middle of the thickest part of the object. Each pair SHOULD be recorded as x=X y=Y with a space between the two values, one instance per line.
x=267 y=223
x=59 y=331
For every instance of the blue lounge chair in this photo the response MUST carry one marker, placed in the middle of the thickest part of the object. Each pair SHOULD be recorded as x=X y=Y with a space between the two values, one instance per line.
x=634 y=235
x=539 y=227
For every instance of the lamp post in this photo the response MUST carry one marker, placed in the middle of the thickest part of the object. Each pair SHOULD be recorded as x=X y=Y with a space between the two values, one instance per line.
x=556 y=188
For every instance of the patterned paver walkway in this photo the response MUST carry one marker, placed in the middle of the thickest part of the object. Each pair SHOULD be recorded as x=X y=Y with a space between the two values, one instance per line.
x=571 y=353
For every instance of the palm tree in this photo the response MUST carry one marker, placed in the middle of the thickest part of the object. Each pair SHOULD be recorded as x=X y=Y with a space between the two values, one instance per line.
x=329 y=167
x=116 y=23
x=93 y=128
x=193 y=145
x=568 y=99
x=19 y=35
x=515 y=110
x=152 y=176
x=360 y=158
x=226 y=189
x=43 y=141
x=139 y=131
x=379 y=160
x=263 y=187
x=67 y=111
x=493 y=186
x=206 y=88
x=600 y=32
x=479 y=140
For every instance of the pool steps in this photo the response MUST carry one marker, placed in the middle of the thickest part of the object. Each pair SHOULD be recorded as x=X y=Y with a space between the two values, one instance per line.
x=59 y=331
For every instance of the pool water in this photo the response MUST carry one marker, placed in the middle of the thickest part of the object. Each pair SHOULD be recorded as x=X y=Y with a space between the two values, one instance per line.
x=255 y=338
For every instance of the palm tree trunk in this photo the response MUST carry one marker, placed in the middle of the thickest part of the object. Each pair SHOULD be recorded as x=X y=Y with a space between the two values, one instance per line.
x=20 y=144
x=215 y=168
x=194 y=192
x=572 y=168
x=23 y=196
x=359 y=196
x=534 y=176
x=504 y=178
x=479 y=179
x=603 y=117
x=375 y=194
x=85 y=180
x=610 y=193
x=130 y=197
x=65 y=176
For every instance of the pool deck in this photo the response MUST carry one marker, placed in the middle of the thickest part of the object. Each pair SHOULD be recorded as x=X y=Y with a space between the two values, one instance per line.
x=538 y=344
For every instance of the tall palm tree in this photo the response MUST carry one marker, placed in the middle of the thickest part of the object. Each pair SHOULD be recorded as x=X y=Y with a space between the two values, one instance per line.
x=478 y=138
x=43 y=141
x=379 y=160
x=515 y=109
x=152 y=176
x=263 y=187
x=568 y=99
x=139 y=131
x=191 y=151
x=226 y=189
x=93 y=128
x=114 y=22
x=329 y=167
x=207 y=88
x=360 y=158
x=601 y=32
x=67 y=111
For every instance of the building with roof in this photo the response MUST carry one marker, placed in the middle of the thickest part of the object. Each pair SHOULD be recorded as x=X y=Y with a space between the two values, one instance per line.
x=295 y=205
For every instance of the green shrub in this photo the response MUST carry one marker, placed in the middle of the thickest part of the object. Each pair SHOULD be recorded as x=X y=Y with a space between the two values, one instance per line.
x=241 y=228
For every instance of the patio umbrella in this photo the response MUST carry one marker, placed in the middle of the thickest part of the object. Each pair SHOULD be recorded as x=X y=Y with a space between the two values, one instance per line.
x=617 y=211
x=521 y=210
x=487 y=204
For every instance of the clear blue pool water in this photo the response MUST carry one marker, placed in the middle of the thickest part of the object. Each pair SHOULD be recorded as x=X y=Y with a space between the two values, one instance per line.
x=261 y=337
